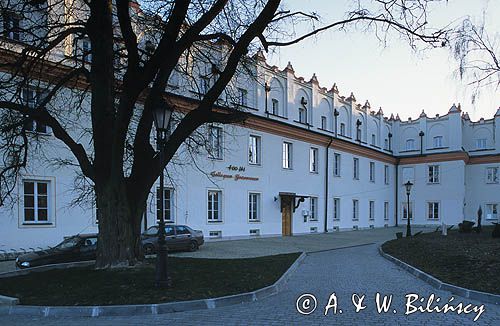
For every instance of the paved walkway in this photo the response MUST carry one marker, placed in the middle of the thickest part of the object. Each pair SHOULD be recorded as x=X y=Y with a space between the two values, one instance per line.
x=345 y=271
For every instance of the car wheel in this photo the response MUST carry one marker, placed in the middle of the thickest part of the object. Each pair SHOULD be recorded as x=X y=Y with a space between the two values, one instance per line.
x=149 y=249
x=193 y=246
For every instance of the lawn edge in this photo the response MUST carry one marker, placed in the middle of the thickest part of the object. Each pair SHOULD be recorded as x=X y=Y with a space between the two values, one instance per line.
x=483 y=297
x=12 y=307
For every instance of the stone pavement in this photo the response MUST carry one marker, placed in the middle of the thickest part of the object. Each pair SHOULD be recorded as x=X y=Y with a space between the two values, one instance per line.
x=264 y=246
x=358 y=270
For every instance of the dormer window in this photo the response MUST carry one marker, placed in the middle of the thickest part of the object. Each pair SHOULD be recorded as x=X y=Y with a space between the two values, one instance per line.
x=12 y=26
x=242 y=97
x=481 y=143
x=438 y=141
x=302 y=115
x=342 y=129
x=410 y=144
x=374 y=138
x=323 y=122
x=275 y=106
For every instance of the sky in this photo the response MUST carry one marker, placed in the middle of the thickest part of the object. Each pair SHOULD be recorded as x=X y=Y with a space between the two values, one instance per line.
x=394 y=77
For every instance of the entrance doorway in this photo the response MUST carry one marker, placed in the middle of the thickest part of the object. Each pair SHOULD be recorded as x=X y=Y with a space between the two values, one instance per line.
x=286 y=216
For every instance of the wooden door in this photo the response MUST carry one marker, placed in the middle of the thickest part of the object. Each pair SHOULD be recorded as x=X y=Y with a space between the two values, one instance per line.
x=286 y=217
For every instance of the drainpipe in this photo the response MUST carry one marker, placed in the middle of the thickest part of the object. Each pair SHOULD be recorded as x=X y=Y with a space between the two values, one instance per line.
x=267 y=89
x=326 y=185
x=421 y=134
x=396 y=209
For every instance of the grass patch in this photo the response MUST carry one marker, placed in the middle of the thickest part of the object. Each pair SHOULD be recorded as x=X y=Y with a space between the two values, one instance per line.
x=192 y=279
x=468 y=260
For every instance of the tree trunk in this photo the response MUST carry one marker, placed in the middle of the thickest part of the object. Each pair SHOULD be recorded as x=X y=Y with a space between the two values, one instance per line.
x=119 y=243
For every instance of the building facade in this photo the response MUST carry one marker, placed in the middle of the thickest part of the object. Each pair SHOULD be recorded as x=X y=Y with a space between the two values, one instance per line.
x=307 y=160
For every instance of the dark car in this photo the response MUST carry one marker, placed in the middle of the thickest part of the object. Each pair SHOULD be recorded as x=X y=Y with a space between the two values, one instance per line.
x=80 y=247
x=179 y=237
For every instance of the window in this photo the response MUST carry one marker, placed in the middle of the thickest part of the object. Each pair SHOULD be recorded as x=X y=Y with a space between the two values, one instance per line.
x=386 y=174
x=242 y=97
x=323 y=123
x=410 y=144
x=167 y=204
x=336 y=209
x=36 y=201
x=30 y=98
x=358 y=134
x=181 y=229
x=492 y=175
x=355 y=209
x=254 y=207
x=342 y=129
x=287 y=155
x=11 y=26
x=372 y=171
x=371 y=210
x=313 y=160
x=438 y=141
x=355 y=168
x=386 y=144
x=302 y=115
x=405 y=210
x=254 y=149
x=215 y=142
x=275 y=106
x=214 y=208
x=313 y=208
x=386 y=211
x=374 y=140
x=204 y=84
x=336 y=164
x=433 y=174
x=433 y=211
x=492 y=211
x=481 y=143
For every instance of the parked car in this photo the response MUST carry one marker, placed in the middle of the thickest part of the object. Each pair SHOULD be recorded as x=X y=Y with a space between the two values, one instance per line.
x=79 y=247
x=178 y=237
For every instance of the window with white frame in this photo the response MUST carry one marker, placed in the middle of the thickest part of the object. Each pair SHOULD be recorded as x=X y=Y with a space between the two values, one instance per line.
x=372 y=171
x=371 y=210
x=254 y=149
x=481 y=143
x=386 y=211
x=355 y=168
x=275 y=106
x=374 y=139
x=410 y=144
x=404 y=206
x=302 y=114
x=336 y=164
x=215 y=142
x=386 y=144
x=386 y=174
x=342 y=129
x=336 y=209
x=214 y=206
x=30 y=98
x=433 y=174
x=313 y=160
x=492 y=174
x=36 y=204
x=323 y=123
x=242 y=97
x=167 y=204
x=204 y=84
x=358 y=134
x=254 y=207
x=492 y=211
x=355 y=209
x=433 y=210
x=287 y=155
x=438 y=141
x=11 y=26
x=313 y=208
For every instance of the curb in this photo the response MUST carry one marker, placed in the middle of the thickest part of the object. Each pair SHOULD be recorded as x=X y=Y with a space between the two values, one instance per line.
x=147 y=309
x=483 y=297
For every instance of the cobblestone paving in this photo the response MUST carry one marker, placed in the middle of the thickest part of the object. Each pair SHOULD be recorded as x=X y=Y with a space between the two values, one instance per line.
x=345 y=271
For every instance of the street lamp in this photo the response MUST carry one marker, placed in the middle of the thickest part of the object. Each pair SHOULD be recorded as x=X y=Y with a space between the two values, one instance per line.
x=408 y=190
x=161 y=115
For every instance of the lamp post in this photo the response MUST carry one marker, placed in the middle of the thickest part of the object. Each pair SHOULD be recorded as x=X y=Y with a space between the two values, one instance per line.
x=408 y=190
x=336 y=114
x=421 y=134
x=358 y=133
x=161 y=116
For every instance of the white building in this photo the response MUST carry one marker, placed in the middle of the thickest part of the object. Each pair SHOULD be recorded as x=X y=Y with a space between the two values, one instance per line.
x=307 y=160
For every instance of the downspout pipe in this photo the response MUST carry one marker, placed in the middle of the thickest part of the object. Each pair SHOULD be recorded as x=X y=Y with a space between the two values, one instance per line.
x=396 y=193
x=326 y=185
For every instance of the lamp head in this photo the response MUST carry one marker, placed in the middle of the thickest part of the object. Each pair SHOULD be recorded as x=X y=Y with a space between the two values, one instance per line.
x=408 y=186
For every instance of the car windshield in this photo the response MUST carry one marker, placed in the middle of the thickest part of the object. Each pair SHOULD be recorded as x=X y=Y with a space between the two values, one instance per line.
x=68 y=243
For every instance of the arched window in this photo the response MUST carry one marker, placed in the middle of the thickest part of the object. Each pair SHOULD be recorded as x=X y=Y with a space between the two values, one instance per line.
x=342 y=129
x=410 y=144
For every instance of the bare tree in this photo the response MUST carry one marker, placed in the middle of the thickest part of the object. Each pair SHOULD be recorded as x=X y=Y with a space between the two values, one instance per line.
x=91 y=72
